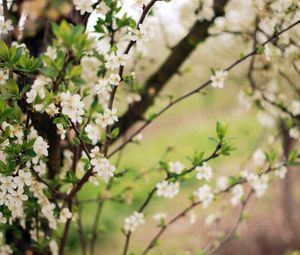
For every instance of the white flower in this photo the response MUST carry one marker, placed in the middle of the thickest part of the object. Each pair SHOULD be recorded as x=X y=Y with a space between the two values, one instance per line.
x=40 y=147
x=204 y=172
x=204 y=195
x=7 y=184
x=41 y=168
x=222 y=183
x=3 y=220
x=244 y=173
x=61 y=131
x=52 y=110
x=90 y=66
x=259 y=157
x=38 y=88
x=47 y=210
x=140 y=34
x=259 y=184
x=93 y=133
x=138 y=138
x=207 y=11
x=121 y=59
x=113 y=60
x=18 y=196
x=265 y=119
x=53 y=247
x=102 y=167
x=295 y=107
x=31 y=95
x=109 y=117
x=238 y=193
x=101 y=87
x=102 y=8
x=5 y=249
x=51 y=53
x=218 y=79
x=281 y=172
x=72 y=106
x=65 y=214
x=212 y=218
x=176 y=167
x=6 y=26
x=132 y=222
x=294 y=133
x=23 y=178
x=167 y=189
x=83 y=6
x=114 y=79
x=38 y=107
x=244 y=100
x=3 y=76
x=160 y=216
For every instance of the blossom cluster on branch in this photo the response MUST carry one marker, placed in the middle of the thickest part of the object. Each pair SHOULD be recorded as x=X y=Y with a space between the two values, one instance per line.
x=60 y=110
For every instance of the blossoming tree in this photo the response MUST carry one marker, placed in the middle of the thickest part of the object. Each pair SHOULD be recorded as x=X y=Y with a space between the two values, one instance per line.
x=69 y=100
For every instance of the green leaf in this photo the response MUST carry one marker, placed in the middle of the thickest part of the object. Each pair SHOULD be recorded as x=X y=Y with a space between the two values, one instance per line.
x=292 y=156
x=61 y=120
x=115 y=133
x=4 y=51
x=197 y=159
x=260 y=50
x=163 y=165
x=12 y=88
x=221 y=130
x=71 y=177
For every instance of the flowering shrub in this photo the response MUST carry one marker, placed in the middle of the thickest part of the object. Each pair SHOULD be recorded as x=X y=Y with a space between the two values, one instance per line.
x=62 y=115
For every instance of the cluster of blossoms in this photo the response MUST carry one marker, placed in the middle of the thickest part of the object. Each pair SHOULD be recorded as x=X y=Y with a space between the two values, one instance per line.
x=6 y=26
x=5 y=249
x=204 y=195
x=141 y=34
x=115 y=60
x=3 y=76
x=107 y=118
x=84 y=6
x=204 y=172
x=132 y=222
x=13 y=193
x=237 y=195
x=176 y=167
x=38 y=88
x=217 y=80
x=72 y=106
x=167 y=189
x=101 y=165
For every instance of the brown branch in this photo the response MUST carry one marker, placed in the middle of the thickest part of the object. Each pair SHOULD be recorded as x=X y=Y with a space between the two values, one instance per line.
x=214 y=154
x=193 y=205
x=146 y=9
x=235 y=226
x=64 y=238
x=80 y=229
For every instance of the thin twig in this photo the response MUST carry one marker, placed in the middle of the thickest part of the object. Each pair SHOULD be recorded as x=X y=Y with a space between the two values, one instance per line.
x=198 y=89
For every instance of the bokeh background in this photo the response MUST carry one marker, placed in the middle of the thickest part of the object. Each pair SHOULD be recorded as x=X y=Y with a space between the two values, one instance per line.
x=187 y=128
